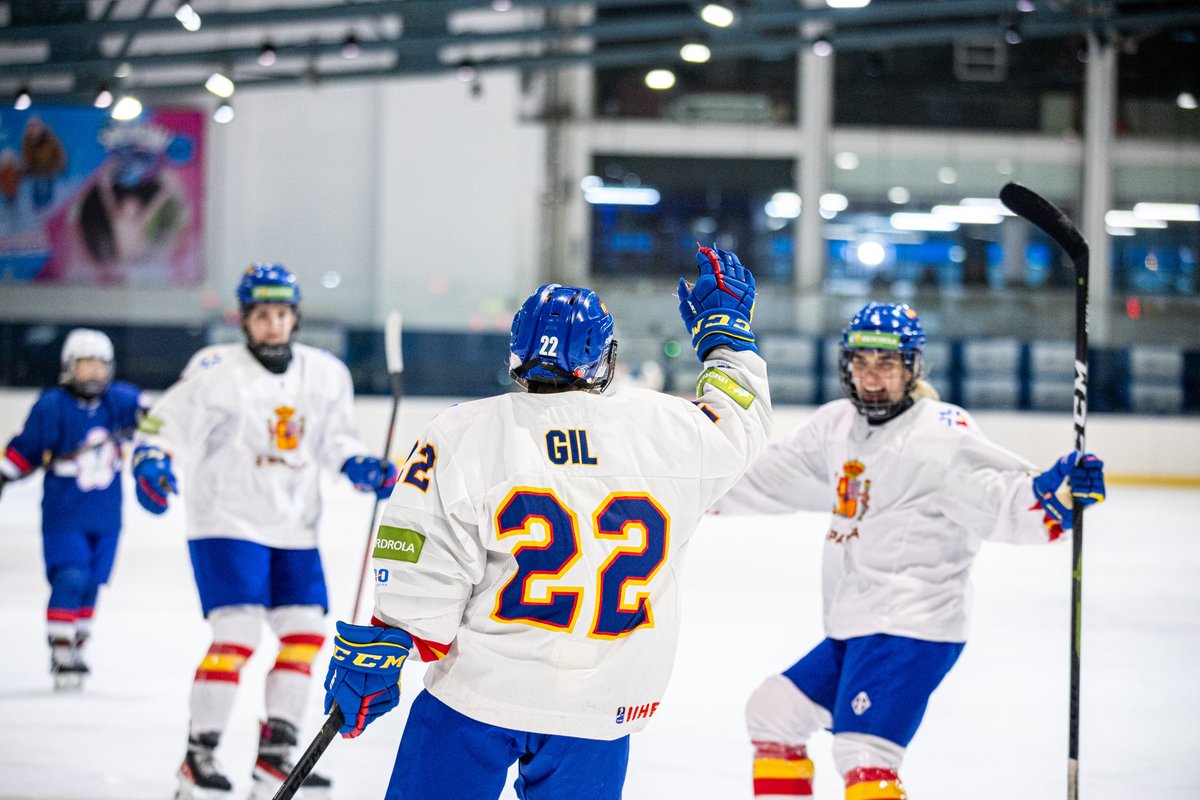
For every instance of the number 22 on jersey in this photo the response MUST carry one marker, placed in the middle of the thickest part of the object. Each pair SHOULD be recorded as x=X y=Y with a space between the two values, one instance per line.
x=633 y=521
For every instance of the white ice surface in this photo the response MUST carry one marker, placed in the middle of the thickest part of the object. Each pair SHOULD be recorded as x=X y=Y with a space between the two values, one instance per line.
x=995 y=730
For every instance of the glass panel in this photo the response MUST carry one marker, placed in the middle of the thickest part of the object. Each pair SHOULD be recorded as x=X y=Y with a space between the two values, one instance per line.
x=1159 y=259
x=690 y=200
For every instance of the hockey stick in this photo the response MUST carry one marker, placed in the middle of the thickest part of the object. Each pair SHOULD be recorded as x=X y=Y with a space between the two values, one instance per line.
x=395 y=365
x=311 y=755
x=1057 y=226
x=117 y=437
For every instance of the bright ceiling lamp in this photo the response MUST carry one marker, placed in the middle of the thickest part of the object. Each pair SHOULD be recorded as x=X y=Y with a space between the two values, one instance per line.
x=104 y=97
x=847 y=3
x=1186 y=101
x=915 y=221
x=695 y=53
x=660 y=79
x=621 y=196
x=127 y=108
x=1174 y=212
x=717 y=15
x=220 y=85
x=1127 y=219
x=24 y=98
x=187 y=17
x=968 y=215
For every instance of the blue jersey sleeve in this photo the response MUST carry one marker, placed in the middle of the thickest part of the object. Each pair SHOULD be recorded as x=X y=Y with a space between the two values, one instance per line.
x=128 y=404
x=42 y=433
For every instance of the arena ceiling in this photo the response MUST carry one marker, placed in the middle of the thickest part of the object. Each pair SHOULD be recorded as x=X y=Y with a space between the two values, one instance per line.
x=68 y=50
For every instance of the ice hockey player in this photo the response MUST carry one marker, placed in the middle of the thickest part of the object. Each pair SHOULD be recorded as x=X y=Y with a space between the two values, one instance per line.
x=75 y=431
x=532 y=552
x=250 y=426
x=914 y=487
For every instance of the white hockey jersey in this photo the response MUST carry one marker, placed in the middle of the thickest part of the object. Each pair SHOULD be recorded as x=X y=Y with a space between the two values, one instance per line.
x=247 y=444
x=541 y=537
x=911 y=499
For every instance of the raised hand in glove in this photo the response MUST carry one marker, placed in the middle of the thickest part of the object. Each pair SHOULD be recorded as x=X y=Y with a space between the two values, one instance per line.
x=718 y=309
x=155 y=481
x=364 y=673
x=1074 y=478
x=370 y=474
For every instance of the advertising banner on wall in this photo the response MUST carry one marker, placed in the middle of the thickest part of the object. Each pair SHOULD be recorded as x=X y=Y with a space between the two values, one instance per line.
x=88 y=201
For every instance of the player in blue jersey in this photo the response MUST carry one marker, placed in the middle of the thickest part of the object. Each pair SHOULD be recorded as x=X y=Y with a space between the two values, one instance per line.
x=75 y=431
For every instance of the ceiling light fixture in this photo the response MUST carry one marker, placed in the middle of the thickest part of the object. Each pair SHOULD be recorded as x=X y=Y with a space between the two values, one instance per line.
x=1186 y=101
x=24 y=98
x=127 y=108
x=350 y=46
x=1012 y=34
x=104 y=97
x=187 y=16
x=717 y=15
x=223 y=113
x=695 y=53
x=220 y=85
x=267 y=55
x=822 y=47
x=660 y=79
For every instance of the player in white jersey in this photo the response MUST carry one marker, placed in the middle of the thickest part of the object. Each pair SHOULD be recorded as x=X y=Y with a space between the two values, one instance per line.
x=533 y=548
x=251 y=425
x=915 y=487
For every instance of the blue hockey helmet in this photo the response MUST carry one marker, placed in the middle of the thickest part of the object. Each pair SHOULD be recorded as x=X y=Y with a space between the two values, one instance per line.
x=268 y=283
x=884 y=327
x=562 y=336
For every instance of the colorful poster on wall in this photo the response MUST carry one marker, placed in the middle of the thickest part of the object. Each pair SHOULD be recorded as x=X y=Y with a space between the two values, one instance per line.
x=88 y=201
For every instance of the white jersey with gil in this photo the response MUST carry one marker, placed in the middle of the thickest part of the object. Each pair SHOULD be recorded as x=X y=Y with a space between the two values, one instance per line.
x=543 y=536
x=911 y=501
x=248 y=444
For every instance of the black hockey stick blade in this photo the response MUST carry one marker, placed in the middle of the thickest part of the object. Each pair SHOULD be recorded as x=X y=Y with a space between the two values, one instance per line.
x=311 y=755
x=1041 y=212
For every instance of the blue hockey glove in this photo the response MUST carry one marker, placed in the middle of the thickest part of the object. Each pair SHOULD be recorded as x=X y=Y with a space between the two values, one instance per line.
x=155 y=481
x=719 y=308
x=369 y=474
x=1085 y=475
x=364 y=673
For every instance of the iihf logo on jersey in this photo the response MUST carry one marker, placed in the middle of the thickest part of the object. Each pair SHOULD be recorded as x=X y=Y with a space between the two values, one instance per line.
x=284 y=430
x=636 y=712
x=953 y=417
x=853 y=496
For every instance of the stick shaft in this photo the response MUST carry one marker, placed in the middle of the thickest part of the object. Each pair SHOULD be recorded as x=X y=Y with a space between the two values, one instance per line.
x=312 y=754
x=395 y=361
x=1079 y=418
x=1055 y=224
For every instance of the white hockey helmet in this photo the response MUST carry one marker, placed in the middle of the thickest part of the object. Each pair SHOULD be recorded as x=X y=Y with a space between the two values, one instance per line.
x=85 y=343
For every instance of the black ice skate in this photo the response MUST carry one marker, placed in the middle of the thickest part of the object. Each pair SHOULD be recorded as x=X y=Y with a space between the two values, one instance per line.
x=274 y=764
x=200 y=776
x=66 y=666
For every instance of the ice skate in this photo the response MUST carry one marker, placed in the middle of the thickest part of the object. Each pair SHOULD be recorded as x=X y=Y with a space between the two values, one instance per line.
x=67 y=666
x=274 y=764
x=200 y=776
